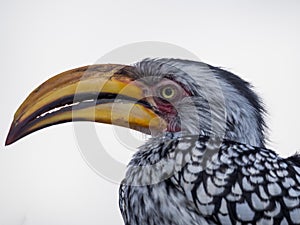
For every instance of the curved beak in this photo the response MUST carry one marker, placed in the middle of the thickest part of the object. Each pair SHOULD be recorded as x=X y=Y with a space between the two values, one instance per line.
x=98 y=93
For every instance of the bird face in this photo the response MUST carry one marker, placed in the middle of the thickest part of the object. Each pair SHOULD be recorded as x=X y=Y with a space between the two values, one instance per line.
x=152 y=96
x=165 y=96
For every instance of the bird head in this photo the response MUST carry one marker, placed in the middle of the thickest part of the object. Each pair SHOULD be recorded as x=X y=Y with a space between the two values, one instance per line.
x=153 y=96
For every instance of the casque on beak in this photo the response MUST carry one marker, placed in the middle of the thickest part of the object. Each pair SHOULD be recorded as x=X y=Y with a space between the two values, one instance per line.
x=100 y=93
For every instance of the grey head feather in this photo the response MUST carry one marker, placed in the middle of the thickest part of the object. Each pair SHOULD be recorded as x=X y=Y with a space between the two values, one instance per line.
x=220 y=102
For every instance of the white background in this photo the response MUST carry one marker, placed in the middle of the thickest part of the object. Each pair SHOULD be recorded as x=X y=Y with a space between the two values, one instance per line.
x=43 y=178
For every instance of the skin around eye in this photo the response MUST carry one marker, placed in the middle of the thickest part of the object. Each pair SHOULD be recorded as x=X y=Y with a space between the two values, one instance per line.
x=169 y=91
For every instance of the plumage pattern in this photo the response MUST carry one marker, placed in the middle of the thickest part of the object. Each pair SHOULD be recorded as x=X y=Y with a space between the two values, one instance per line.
x=203 y=180
x=209 y=172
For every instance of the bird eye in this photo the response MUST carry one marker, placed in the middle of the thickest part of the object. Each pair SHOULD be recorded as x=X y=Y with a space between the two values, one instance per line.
x=168 y=92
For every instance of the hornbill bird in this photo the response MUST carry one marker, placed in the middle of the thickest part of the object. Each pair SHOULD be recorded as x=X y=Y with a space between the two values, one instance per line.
x=206 y=162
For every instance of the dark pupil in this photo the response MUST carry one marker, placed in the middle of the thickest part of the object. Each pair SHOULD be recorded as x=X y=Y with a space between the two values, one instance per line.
x=168 y=91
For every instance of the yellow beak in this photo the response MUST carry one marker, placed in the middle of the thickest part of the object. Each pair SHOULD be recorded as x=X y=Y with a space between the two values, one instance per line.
x=99 y=93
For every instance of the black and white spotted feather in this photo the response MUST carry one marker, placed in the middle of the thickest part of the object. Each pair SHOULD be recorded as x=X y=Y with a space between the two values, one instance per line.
x=198 y=176
x=235 y=184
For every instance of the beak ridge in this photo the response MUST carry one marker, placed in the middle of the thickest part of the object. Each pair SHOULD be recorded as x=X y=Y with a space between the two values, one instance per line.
x=102 y=93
